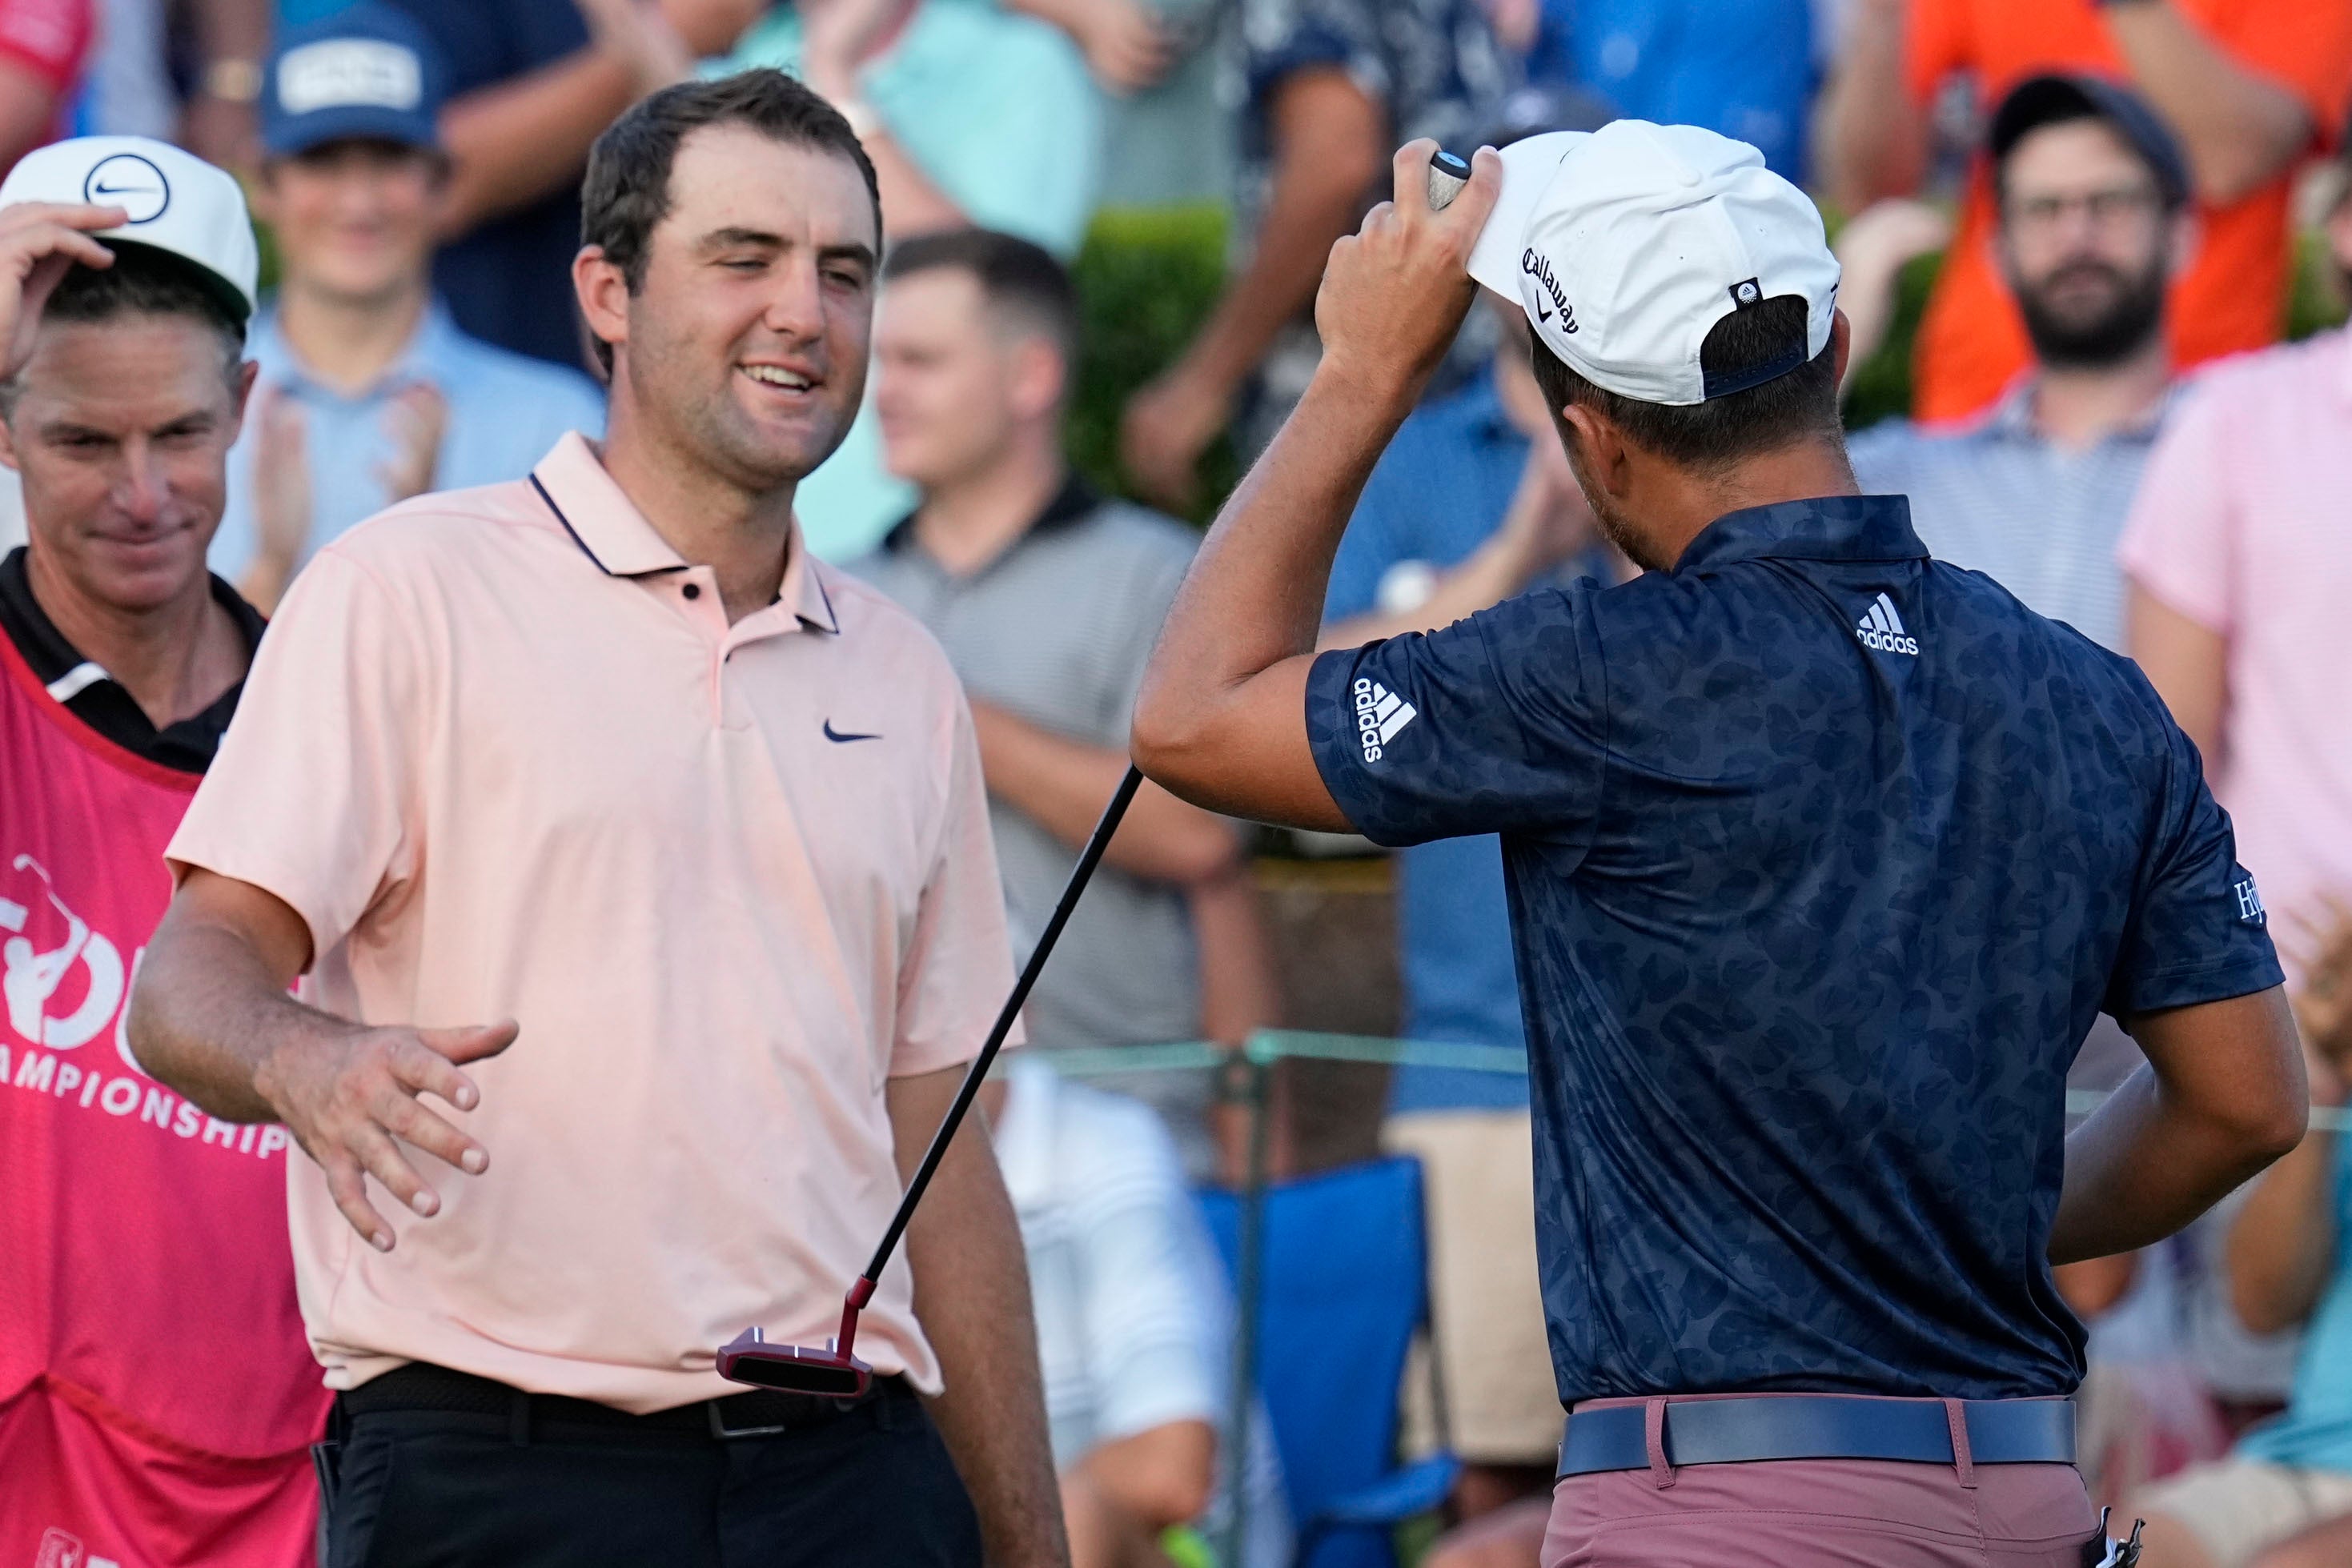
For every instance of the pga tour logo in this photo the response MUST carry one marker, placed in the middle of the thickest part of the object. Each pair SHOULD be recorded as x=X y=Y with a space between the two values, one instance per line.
x=1380 y=714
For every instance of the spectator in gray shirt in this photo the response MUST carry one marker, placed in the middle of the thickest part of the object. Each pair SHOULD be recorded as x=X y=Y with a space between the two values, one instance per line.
x=2091 y=194
x=1048 y=598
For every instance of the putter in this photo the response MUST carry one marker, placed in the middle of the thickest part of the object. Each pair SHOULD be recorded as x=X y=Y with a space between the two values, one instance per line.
x=835 y=1372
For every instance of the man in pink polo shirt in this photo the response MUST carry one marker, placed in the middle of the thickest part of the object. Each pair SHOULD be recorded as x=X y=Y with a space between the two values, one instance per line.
x=605 y=755
x=2240 y=568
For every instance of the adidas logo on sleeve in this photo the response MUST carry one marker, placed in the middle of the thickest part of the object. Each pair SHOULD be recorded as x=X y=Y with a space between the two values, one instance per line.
x=1381 y=714
x=1882 y=629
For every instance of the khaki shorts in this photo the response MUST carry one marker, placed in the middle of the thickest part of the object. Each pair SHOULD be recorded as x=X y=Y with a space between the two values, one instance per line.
x=2238 y=1509
x=1478 y=1169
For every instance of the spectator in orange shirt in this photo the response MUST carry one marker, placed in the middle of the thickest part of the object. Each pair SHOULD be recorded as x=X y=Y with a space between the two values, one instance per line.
x=2251 y=87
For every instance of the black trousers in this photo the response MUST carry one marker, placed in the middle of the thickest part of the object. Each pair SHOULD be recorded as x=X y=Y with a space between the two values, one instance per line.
x=436 y=1488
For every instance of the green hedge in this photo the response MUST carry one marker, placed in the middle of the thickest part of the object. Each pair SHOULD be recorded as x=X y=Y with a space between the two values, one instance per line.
x=1147 y=280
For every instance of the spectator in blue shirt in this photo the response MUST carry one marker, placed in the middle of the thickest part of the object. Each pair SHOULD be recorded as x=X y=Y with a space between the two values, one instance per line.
x=1472 y=504
x=1822 y=856
x=1745 y=68
x=368 y=393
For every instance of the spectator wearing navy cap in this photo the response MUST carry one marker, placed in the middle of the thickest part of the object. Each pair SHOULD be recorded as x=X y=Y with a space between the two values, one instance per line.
x=2091 y=225
x=1822 y=858
x=369 y=391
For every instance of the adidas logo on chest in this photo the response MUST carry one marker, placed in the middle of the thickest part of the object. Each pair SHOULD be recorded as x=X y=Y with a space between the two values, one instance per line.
x=1381 y=714
x=1882 y=629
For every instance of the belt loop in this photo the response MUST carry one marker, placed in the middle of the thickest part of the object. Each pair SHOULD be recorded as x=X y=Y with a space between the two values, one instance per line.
x=1956 y=1416
x=1654 y=1438
x=518 y=1418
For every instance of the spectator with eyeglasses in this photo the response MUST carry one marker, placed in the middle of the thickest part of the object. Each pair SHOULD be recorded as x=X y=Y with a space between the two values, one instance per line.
x=2092 y=226
x=2253 y=88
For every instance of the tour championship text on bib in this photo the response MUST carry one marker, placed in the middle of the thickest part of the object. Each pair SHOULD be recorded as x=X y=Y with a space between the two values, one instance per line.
x=154 y=1381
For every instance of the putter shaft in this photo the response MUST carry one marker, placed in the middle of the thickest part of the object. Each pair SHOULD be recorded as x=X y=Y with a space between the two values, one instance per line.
x=1083 y=872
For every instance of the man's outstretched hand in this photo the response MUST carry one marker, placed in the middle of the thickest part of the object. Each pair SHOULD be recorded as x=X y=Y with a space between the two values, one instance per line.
x=39 y=241
x=346 y=1097
x=1395 y=292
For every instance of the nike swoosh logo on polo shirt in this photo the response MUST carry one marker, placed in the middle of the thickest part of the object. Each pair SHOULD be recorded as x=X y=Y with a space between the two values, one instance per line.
x=834 y=734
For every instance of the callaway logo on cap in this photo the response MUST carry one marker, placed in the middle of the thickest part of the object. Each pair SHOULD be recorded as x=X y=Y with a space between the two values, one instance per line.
x=1626 y=244
x=175 y=201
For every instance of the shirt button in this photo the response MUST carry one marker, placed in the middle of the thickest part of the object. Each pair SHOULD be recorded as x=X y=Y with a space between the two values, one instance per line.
x=694 y=590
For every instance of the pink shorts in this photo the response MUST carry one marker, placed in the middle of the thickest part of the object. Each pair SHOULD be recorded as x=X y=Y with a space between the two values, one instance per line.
x=1820 y=1514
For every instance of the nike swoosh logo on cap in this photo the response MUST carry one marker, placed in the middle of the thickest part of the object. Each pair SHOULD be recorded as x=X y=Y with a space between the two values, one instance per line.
x=126 y=190
x=834 y=734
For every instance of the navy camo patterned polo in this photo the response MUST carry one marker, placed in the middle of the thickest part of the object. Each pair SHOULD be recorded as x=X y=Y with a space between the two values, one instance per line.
x=1822 y=856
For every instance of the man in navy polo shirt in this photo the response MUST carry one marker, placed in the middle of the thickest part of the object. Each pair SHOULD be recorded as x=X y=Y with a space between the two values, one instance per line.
x=1823 y=857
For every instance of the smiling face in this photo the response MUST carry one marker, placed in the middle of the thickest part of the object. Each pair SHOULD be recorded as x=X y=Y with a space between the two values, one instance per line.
x=120 y=429
x=745 y=345
x=354 y=220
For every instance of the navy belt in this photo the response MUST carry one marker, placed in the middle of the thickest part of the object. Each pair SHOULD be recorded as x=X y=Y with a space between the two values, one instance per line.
x=1819 y=1426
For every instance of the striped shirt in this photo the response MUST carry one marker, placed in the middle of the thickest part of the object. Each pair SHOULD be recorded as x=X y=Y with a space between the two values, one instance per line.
x=1999 y=497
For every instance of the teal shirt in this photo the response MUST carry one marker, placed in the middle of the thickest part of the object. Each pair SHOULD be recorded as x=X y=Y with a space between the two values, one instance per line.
x=998 y=111
x=2316 y=1433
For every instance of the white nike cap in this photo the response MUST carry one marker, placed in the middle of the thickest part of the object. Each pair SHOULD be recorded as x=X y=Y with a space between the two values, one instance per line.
x=177 y=202
x=1626 y=244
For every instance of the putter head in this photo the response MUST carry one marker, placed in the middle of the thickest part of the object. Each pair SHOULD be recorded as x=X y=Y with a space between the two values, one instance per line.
x=793 y=1369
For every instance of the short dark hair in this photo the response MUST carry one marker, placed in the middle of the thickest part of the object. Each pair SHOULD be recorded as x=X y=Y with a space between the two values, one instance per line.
x=2042 y=101
x=626 y=194
x=1018 y=277
x=1798 y=406
x=142 y=281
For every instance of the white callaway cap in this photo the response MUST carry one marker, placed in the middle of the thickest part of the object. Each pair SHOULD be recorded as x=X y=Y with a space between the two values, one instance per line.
x=1626 y=244
x=178 y=204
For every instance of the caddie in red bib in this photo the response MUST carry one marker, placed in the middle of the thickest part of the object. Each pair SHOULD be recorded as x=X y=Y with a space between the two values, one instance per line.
x=157 y=1399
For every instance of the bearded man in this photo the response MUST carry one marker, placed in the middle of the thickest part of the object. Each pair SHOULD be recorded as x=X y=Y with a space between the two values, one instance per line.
x=2094 y=221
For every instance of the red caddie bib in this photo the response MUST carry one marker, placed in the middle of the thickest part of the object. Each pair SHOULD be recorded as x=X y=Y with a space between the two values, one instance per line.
x=157 y=1398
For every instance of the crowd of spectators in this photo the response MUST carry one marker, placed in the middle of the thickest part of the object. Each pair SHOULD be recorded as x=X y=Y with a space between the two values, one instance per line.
x=2125 y=198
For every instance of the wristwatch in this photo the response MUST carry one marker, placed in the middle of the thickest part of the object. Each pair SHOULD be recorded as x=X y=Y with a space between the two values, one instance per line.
x=232 y=80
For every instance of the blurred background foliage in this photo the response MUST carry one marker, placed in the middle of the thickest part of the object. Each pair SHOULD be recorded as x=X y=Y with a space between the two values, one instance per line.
x=1147 y=278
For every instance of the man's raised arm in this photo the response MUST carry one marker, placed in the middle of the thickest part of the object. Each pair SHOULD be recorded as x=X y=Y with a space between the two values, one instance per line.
x=1222 y=719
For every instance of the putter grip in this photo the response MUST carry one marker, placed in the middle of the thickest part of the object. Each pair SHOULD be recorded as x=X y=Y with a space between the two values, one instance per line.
x=1447 y=175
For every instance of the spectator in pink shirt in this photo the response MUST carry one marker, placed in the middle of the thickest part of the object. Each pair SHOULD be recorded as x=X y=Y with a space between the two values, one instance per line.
x=2240 y=568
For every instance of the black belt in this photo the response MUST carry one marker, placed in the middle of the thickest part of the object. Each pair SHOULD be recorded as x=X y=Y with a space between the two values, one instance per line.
x=1819 y=1426
x=763 y=1413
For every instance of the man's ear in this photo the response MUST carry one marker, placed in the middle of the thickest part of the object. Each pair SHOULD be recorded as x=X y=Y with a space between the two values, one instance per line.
x=240 y=390
x=1039 y=378
x=1596 y=450
x=604 y=294
x=2188 y=239
x=1841 y=345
